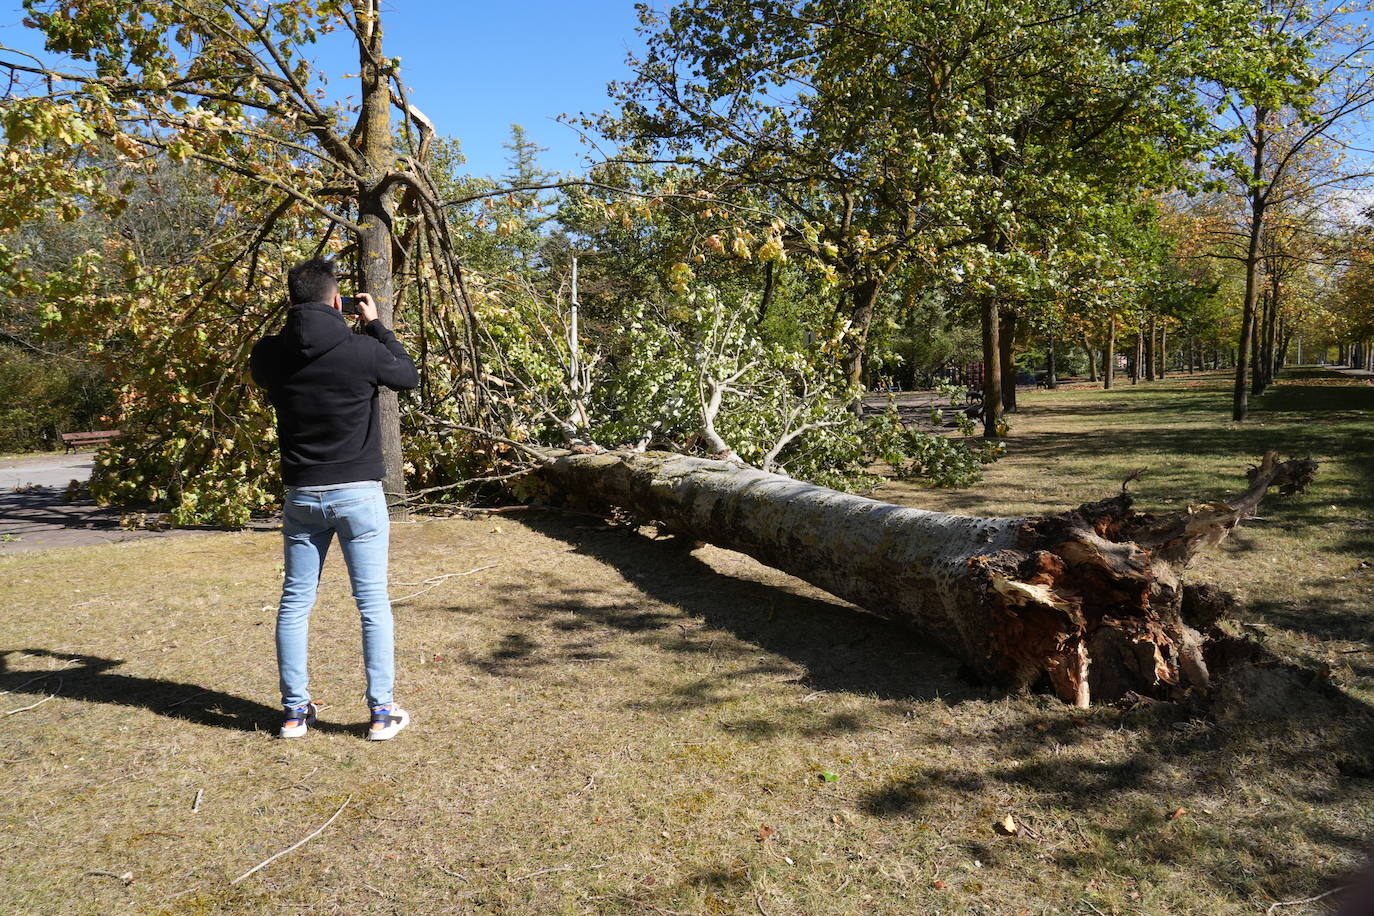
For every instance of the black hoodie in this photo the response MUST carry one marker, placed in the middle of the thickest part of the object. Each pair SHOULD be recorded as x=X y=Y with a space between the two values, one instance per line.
x=322 y=378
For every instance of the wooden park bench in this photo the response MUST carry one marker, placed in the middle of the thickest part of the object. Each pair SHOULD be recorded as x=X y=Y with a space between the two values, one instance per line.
x=97 y=438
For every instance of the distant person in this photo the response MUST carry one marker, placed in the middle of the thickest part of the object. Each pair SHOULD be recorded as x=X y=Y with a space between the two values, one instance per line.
x=323 y=380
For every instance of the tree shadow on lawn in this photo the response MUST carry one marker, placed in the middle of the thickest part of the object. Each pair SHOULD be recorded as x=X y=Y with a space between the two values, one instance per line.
x=1311 y=752
x=840 y=647
x=89 y=679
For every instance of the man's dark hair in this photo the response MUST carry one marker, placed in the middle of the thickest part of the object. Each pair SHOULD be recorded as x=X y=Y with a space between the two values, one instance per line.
x=312 y=281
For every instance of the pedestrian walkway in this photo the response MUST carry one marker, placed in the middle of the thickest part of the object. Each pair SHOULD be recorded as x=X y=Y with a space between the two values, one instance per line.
x=36 y=515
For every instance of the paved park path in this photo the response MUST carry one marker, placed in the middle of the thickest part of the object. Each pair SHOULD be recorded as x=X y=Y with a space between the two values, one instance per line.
x=36 y=515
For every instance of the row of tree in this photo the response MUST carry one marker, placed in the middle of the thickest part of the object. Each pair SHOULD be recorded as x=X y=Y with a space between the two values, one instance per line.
x=807 y=196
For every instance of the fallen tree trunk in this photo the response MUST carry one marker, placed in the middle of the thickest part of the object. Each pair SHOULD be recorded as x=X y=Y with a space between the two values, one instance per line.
x=1091 y=600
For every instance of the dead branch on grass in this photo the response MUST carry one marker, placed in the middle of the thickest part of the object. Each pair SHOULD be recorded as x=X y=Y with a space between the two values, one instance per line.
x=435 y=581
x=1274 y=907
x=268 y=861
x=40 y=702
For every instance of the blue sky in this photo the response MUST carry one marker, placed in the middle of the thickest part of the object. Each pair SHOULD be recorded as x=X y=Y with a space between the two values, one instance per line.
x=476 y=68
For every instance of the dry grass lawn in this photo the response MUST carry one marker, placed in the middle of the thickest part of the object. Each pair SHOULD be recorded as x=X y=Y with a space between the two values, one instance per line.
x=608 y=724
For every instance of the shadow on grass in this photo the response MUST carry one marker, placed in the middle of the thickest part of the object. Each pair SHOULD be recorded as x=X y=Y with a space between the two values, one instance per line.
x=1315 y=756
x=840 y=647
x=89 y=678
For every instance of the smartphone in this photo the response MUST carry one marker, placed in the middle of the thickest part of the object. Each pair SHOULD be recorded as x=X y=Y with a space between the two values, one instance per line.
x=350 y=305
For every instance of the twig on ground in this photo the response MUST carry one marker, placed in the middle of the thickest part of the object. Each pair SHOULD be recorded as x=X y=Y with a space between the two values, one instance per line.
x=268 y=861
x=436 y=581
x=195 y=805
x=40 y=702
x=216 y=639
x=450 y=872
x=193 y=888
x=546 y=871
x=44 y=676
x=199 y=693
x=657 y=909
x=1273 y=907
x=758 y=902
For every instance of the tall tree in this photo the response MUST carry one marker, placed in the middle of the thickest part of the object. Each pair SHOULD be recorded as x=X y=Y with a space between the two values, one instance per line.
x=227 y=85
x=964 y=138
x=1308 y=78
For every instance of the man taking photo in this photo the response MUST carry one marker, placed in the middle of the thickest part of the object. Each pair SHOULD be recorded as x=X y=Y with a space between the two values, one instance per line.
x=323 y=380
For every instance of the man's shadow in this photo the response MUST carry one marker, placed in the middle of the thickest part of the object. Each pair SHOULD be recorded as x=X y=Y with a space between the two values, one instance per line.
x=87 y=677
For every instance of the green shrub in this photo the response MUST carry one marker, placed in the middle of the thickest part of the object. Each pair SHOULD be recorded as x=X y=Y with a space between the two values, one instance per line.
x=44 y=396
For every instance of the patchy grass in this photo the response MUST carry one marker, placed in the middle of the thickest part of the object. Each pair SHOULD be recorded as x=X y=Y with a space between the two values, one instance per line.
x=608 y=724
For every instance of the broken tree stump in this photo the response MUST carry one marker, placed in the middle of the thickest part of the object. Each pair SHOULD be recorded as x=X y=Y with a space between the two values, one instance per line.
x=1091 y=601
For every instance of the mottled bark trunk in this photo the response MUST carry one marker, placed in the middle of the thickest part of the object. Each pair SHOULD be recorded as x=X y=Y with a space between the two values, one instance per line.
x=1092 y=358
x=992 y=371
x=1163 y=350
x=1090 y=601
x=1051 y=377
x=863 y=299
x=375 y=217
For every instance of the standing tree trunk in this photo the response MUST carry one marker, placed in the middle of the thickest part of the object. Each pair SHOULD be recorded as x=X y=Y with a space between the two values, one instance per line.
x=1109 y=354
x=375 y=217
x=1090 y=601
x=863 y=298
x=992 y=368
x=1271 y=325
x=1006 y=360
x=1163 y=348
x=1051 y=382
x=1150 y=351
x=1092 y=358
x=1240 y=397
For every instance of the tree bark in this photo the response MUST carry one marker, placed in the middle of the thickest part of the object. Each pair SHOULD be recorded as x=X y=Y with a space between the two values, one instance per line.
x=992 y=368
x=1163 y=349
x=1090 y=601
x=1240 y=398
x=1051 y=380
x=375 y=217
x=1006 y=360
x=1150 y=351
x=1092 y=358
x=1109 y=355
x=863 y=297
x=1271 y=324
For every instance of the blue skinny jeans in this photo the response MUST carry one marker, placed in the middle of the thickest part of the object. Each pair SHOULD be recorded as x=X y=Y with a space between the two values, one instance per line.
x=357 y=513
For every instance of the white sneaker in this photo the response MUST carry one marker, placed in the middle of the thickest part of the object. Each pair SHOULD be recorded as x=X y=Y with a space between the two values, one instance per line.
x=298 y=720
x=386 y=722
